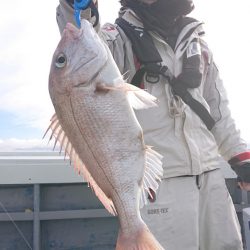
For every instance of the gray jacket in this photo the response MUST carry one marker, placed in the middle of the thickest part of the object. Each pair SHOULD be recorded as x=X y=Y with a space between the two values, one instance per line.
x=173 y=129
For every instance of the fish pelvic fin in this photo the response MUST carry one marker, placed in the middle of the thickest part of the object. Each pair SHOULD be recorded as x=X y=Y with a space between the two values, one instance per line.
x=138 y=98
x=65 y=144
x=141 y=240
x=152 y=175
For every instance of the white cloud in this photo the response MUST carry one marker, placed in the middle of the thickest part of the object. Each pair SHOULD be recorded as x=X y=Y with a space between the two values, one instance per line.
x=29 y=35
x=14 y=144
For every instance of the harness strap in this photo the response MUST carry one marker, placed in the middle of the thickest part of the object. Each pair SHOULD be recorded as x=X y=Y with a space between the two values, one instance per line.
x=153 y=70
x=141 y=42
x=196 y=106
x=150 y=59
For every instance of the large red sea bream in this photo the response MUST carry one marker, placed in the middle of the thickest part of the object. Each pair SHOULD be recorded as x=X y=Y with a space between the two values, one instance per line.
x=96 y=125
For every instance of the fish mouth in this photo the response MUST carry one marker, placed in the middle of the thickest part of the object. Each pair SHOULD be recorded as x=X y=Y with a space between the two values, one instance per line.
x=72 y=30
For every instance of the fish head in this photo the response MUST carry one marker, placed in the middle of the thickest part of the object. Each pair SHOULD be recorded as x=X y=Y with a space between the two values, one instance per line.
x=78 y=58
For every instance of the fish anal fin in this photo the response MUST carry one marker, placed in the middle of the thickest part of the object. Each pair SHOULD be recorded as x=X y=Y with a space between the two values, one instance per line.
x=59 y=134
x=152 y=175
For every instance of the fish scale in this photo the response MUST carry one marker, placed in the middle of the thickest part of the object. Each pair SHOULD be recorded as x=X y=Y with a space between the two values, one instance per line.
x=96 y=125
x=105 y=141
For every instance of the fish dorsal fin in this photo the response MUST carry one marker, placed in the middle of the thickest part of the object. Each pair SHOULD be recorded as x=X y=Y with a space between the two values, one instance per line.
x=152 y=176
x=138 y=98
x=61 y=138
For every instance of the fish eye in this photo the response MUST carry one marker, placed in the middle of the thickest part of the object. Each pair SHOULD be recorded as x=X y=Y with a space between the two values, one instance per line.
x=61 y=61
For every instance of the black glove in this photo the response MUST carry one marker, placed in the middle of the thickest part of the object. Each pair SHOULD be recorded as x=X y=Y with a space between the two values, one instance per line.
x=242 y=171
x=70 y=2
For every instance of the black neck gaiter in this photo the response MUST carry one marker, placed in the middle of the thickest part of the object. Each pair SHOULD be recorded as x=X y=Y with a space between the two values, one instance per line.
x=162 y=15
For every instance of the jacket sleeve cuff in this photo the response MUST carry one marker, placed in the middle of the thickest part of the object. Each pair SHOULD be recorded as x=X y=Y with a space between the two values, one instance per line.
x=240 y=158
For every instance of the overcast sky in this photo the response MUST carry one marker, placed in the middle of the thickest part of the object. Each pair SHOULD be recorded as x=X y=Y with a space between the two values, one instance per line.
x=29 y=35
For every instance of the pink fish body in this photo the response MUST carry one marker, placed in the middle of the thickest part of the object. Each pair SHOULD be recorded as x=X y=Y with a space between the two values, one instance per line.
x=96 y=125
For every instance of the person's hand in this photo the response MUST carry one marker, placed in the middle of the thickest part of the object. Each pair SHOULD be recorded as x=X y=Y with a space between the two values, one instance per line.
x=241 y=166
x=243 y=173
x=151 y=195
x=244 y=185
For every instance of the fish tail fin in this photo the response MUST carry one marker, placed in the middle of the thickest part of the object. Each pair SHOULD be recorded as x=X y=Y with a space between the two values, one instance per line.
x=141 y=240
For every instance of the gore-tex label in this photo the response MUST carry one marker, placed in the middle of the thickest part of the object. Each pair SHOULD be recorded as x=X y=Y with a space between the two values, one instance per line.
x=157 y=211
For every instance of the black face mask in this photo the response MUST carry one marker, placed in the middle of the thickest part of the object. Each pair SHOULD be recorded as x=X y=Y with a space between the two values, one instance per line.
x=161 y=15
x=170 y=9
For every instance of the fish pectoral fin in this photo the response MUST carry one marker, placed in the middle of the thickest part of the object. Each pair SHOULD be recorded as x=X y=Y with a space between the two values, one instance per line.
x=152 y=175
x=138 y=98
x=61 y=138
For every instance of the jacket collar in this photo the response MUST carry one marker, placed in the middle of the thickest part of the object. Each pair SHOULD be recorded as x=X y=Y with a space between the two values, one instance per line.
x=187 y=32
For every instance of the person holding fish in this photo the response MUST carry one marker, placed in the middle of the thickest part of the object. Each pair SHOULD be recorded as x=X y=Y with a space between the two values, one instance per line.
x=160 y=49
